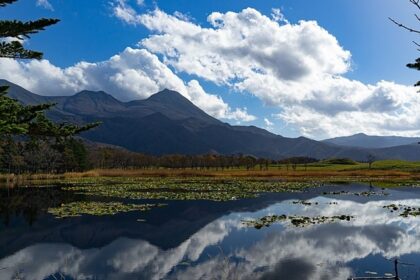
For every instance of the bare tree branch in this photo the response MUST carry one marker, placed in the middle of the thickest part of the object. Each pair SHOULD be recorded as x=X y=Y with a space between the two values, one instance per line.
x=416 y=3
x=417 y=44
x=404 y=26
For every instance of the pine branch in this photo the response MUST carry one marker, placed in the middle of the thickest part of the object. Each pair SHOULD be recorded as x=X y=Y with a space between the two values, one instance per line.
x=41 y=126
x=20 y=29
x=31 y=111
x=30 y=120
x=3 y=3
x=415 y=65
x=16 y=50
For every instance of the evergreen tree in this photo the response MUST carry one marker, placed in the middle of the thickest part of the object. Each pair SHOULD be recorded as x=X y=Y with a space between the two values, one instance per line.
x=16 y=31
x=14 y=117
x=28 y=123
x=5 y=2
x=415 y=66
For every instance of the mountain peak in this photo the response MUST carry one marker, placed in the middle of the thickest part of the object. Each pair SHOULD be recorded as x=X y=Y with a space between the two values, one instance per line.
x=360 y=134
x=94 y=94
x=173 y=104
x=168 y=96
x=91 y=102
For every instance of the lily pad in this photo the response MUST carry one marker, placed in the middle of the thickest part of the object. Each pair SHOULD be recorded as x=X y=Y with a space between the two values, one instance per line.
x=96 y=208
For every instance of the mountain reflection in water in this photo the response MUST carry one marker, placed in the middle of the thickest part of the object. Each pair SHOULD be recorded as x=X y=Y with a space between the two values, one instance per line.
x=207 y=240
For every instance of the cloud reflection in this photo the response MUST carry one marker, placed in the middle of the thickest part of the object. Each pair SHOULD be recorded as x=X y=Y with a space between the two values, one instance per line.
x=279 y=252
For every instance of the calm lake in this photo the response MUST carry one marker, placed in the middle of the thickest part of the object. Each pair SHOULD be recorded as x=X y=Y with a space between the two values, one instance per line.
x=202 y=239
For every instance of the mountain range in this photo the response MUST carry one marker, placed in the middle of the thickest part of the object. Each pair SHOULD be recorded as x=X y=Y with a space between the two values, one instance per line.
x=168 y=123
x=370 y=141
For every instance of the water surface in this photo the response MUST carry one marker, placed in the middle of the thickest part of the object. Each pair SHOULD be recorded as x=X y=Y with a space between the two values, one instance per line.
x=208 y=240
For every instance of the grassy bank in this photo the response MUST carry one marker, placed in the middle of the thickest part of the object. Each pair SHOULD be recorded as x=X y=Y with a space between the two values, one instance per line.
x=388 y=170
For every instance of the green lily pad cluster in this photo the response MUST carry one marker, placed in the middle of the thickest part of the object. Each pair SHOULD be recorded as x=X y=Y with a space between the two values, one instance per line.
x=265 y=221
x=410 y=211
x=305 y=202
x=305 y=221
x=297 y=221
x=404 y=210
x=182 y=189
x=367 y=194
x=97 y=208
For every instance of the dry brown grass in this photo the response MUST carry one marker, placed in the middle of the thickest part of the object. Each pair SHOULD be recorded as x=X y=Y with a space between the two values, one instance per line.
x=239 y=173
x=244 y=173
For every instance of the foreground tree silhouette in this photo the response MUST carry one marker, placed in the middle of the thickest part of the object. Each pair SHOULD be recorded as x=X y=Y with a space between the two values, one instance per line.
x=415 y=65
x=29 y=121
x=14 y=117
x=15 y=31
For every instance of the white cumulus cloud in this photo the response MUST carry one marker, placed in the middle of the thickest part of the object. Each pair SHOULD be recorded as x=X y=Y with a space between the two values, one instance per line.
x=268 y=123
x=298 y=68
x=125 y=12
x=277 y=15
x=45 y=4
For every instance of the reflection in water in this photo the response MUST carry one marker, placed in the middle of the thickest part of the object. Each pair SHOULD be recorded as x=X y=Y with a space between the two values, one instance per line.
x=29 y=202
x=226 y=249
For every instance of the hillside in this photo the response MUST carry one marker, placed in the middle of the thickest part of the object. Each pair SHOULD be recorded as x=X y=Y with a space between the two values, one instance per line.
x=168 y=123
x=362 y=140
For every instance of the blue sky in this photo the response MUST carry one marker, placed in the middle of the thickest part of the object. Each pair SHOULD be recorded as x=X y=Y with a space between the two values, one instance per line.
x=91 y=31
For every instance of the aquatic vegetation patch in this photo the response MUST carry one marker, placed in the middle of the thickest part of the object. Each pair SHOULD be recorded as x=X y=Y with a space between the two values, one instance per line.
x=182 y=189
x=404 y=210
x=367 y=193
x=312 y=203
x=392 y=207
x=410 y=211
x=382 y=193
x=96 y=208
x=297 y=221
x=305 y=202
x=336 y=193
x=265 y=221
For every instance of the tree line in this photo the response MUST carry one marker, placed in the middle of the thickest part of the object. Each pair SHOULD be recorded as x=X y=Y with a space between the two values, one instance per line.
x=109 y=158
x=49 y=155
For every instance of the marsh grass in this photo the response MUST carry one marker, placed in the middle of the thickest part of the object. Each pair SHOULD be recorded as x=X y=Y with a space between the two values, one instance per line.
x=325 y=171
x=387 y=170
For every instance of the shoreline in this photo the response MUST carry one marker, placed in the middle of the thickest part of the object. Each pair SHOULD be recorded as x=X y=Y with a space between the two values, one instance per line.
x=298 y=175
